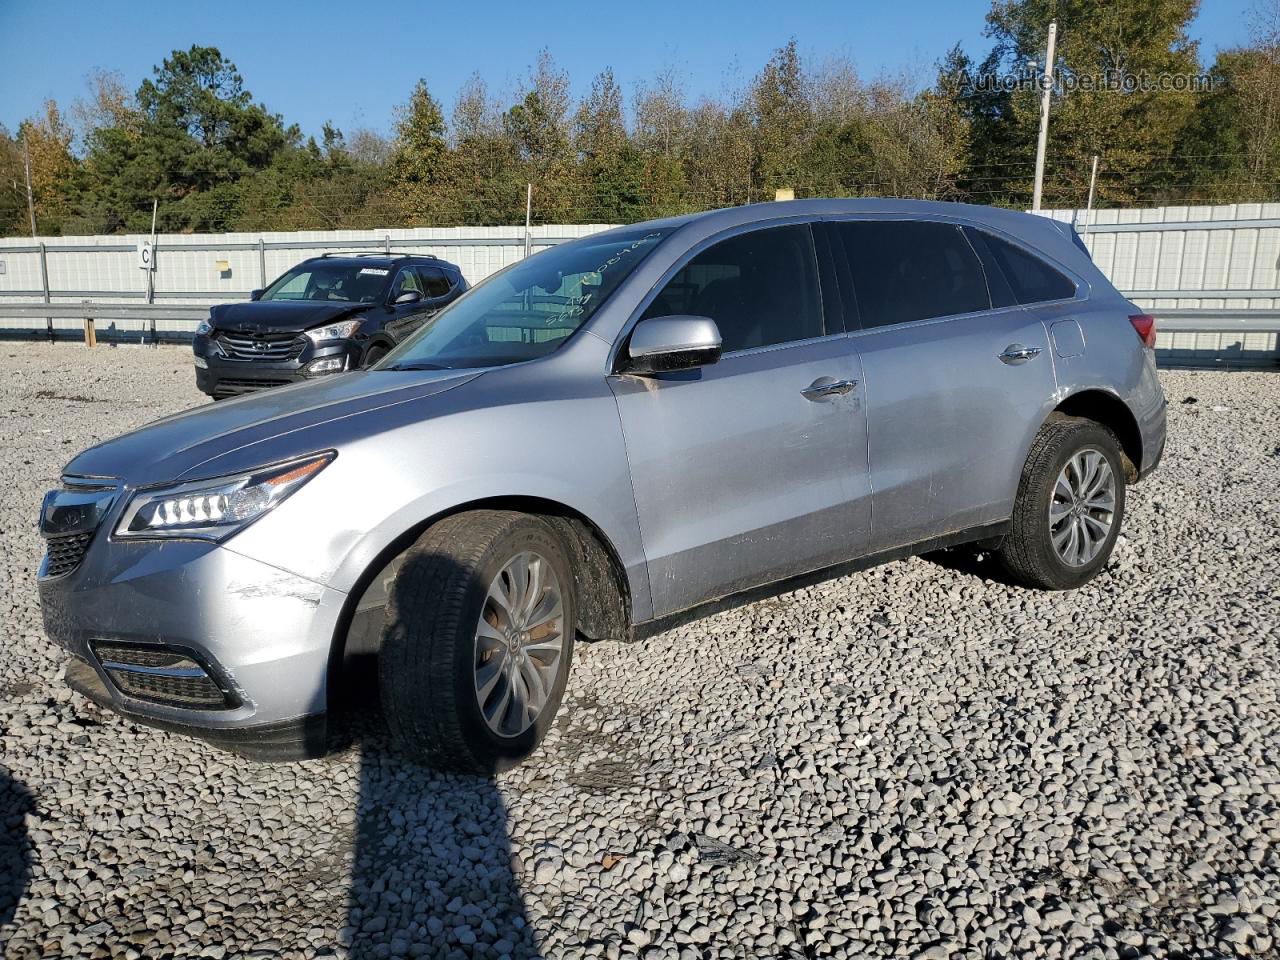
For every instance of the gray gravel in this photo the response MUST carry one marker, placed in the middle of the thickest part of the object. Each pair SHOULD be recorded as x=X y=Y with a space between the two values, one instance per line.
x=914 y=761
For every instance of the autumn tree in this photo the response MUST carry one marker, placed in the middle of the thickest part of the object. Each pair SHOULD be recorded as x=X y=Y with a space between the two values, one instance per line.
x=417 y=157
x=780 y=115
x=46 y=140
x=610 y=168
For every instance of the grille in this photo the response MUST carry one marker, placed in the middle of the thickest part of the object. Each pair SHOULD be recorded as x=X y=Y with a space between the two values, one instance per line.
x=233 y=388
x=272 y=347
x=65 y=553
x=161 y=675
x=142 y=656
x=180 y=691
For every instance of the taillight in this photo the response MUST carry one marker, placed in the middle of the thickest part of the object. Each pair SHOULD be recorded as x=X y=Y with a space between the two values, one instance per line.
x=1145 y=324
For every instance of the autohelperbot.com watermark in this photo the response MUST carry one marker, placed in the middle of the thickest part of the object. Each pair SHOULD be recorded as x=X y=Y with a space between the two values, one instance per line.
x=1069 y=81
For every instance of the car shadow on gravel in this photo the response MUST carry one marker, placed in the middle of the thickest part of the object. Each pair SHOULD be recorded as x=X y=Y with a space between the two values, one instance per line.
x=433 y=872
x=15 y=849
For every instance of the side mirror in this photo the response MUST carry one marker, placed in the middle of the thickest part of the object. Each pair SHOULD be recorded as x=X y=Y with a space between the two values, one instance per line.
x=409 y=296
x=255 y=294
x=665 y=344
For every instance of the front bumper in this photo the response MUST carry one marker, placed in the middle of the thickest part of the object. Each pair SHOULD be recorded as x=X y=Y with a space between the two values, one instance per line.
x=265 y=636
x=296 y=739
x=222 y=377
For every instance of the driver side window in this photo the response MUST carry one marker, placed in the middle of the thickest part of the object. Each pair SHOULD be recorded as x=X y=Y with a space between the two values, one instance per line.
x=295 y=289
x=760 y=287
x=406 y=282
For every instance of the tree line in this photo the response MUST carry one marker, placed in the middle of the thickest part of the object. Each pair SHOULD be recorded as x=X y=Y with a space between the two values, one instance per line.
x=193 y=138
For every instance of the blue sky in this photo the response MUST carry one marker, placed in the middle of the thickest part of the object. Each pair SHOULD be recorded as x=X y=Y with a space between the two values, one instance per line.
x=351 y=62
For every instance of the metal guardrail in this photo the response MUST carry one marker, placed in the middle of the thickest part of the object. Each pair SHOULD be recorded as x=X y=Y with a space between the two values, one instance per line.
x=1216 y=320
x=1085 y=228
x=375 y=243
x=1194 y=319
x=106 y=311
x=1172 y=320
x=90 y=313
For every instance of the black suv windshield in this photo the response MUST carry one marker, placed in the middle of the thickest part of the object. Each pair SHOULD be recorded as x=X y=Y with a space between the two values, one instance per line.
x=527 y=310
x=342 y=281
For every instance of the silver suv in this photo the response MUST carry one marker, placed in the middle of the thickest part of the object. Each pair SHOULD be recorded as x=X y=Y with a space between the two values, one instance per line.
x=598 y=441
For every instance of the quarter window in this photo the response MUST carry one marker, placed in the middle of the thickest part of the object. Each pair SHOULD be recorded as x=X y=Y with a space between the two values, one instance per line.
x=906 y=270
x=760 y=288
x=1032 y=280
x=434 y=281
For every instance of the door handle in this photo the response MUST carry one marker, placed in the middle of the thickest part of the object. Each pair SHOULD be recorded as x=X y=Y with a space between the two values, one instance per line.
x=825 y=387
x=1016 y=353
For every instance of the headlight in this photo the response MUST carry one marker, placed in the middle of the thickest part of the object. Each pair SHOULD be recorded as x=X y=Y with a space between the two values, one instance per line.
x=214 y=509
x=204 y=328
x=334 y=331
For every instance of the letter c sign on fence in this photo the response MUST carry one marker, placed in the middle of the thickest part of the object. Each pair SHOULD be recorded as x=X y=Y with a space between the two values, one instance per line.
x=146 y=256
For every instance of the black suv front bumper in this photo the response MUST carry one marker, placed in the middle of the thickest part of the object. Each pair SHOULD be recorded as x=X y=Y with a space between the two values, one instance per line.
x=223 y=376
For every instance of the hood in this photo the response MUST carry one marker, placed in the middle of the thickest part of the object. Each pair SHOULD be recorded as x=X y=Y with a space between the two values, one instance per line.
x=284 y=316
x=179 y=447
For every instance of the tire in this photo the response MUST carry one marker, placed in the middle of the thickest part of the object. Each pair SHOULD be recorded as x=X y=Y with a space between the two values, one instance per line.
x=1028 y=551
x=432 y=653
x=376 y=353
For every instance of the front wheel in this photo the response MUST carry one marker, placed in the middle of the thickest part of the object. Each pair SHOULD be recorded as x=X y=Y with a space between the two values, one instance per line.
x=478 y=641
x=1069 y=508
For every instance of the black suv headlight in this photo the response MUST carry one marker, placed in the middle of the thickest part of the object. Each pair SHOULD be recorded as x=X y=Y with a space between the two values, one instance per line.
x=342 y=330
x=214 y=509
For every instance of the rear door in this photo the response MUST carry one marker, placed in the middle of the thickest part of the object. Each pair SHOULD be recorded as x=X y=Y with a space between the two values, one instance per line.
x=1019 y=276
x=753 y=468
x=954 y=386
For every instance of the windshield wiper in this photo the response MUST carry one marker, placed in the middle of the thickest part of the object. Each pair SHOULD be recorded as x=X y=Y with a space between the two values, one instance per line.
x=415 y=366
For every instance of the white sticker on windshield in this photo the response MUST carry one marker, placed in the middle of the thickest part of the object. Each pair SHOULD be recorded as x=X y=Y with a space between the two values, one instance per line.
x=375 y=271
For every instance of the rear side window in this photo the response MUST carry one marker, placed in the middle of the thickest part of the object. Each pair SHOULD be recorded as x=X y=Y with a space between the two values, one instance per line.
x=906 y=270
x=1032 y=280
x=760 y=288
x=435 y=281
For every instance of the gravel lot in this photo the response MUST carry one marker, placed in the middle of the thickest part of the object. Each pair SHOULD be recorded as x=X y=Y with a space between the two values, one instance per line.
x=913 y=761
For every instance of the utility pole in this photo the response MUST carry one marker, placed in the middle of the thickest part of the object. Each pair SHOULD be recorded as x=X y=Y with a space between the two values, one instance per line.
x=528 y=217
x=1045 y=95
x=151 y=273
x=1093 y=179
x=26 y=165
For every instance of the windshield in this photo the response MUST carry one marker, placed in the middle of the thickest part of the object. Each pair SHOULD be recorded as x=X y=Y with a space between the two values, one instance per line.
x=337 y=280
x=528 y=310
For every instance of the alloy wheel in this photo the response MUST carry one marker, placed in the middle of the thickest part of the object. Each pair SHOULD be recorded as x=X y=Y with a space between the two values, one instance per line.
x=519 y=642
x=1082 y=507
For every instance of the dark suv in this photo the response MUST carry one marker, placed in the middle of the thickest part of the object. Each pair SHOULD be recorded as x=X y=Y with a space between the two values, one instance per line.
x=328 y=314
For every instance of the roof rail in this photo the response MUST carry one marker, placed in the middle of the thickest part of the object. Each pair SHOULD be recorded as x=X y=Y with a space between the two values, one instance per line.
x=384 y=254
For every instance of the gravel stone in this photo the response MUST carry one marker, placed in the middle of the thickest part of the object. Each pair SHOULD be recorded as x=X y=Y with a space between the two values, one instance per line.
x=916 y=760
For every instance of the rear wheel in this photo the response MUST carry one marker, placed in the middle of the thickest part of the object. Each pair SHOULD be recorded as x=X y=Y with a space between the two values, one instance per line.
x=1070 y=506
x=478 y=641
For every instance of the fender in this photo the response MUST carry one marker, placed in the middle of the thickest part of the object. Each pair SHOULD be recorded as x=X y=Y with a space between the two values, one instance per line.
x=378 y=546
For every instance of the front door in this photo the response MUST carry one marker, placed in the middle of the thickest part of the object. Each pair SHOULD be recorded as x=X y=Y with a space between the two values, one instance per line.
x=751 y=469
x=406 y=317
